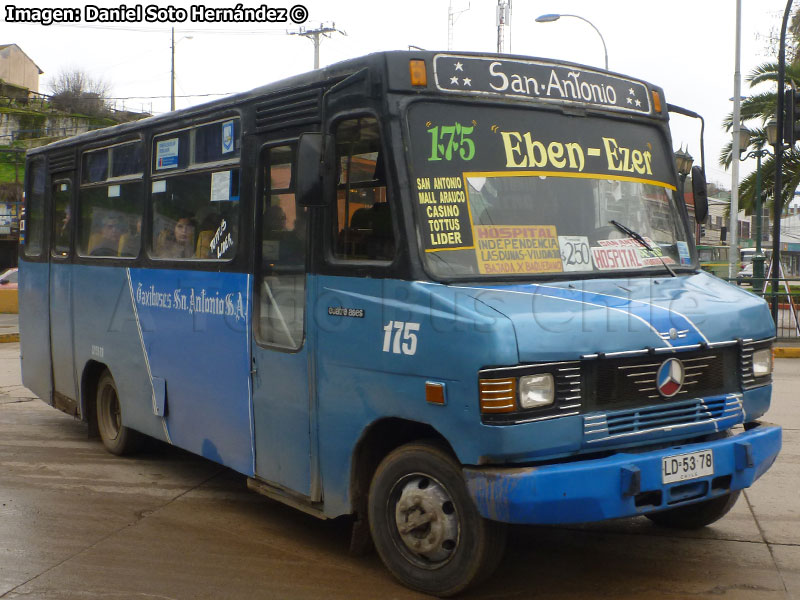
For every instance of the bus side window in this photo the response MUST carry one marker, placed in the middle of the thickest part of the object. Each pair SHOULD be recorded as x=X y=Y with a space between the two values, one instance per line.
x=34 y=210
x=363 y=219
x=110 y=202
x=281 y=307
x=62 y=217
x=196 y=215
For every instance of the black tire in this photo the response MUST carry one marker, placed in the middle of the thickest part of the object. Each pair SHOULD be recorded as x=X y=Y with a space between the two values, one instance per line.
x=695 y=516
x=117 y=438
x=450 y=545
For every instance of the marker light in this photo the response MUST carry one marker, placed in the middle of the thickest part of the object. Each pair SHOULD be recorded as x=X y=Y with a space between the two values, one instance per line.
x=434 y=393
x=498 y=395
x=762 y=362
x=656 y=101
x=419 y=75
x=536 y=390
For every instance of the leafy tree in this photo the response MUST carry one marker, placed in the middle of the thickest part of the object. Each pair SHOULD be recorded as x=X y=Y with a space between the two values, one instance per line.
x=75 y=91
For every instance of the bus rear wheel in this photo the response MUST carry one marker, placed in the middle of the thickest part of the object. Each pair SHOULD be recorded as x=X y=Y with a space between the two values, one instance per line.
x=117 y=438
x=695 y=516
x=426 y=527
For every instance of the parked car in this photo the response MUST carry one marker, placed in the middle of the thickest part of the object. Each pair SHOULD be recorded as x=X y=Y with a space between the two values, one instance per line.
x=8 y=280
x=745 y=275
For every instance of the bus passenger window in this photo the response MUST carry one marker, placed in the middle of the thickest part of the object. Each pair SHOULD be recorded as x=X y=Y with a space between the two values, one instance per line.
x=196 y=216
x=281 y=305
x=363 y=216
x=109 y=220
x=110 y=203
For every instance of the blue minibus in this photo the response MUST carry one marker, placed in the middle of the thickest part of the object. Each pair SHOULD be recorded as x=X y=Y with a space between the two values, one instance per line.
x=440 y=292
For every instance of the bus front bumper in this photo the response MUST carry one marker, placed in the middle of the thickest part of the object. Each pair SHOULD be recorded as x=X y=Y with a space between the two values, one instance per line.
x=623 y=485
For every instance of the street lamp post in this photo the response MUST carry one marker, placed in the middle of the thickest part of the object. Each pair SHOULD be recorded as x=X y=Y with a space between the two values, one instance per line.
x=683 y=161
x=744 y=141
x=549 y=18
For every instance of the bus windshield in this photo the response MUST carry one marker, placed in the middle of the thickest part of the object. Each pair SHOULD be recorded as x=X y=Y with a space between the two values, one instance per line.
x=512 y=192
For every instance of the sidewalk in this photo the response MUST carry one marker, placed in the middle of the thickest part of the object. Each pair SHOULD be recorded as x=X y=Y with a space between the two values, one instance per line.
x=9 y=328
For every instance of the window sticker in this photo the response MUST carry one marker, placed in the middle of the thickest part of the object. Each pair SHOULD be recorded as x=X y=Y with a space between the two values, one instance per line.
x=159 y=187
x=221 y=186
x=227 y=137
x=610 y=257
x=167 y=154
x=447 y=218
x=575 y=252
x=113 y=191
x=627 y=254
x=683 y=253
x=517 y=249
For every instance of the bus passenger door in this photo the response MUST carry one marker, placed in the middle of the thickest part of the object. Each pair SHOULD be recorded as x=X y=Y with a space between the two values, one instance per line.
x=282 y=397
x=61 y=332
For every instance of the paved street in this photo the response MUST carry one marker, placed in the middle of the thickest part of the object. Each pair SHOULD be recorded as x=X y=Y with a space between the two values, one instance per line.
x=76 y=522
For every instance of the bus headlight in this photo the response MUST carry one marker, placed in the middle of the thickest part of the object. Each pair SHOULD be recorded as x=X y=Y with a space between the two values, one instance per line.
x=536 y=390
x=762 y=362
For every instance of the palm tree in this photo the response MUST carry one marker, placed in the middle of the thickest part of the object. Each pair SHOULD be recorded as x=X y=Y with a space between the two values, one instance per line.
x=760 y=109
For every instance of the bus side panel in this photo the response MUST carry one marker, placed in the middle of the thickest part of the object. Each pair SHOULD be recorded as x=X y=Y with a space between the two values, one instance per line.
x=375 y=366
x=61 y=335
x=34 y=327
x=195 y=328
x=106 y=331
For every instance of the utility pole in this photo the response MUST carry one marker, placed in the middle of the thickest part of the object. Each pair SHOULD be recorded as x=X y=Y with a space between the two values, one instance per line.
x=503 y=20
x=733 y=233
x=172 y=70
x=315 y=34
x=452 y=17
x=172 y=75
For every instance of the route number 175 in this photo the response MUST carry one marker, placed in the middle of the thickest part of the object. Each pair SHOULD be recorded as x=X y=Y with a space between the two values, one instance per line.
x=400 y=337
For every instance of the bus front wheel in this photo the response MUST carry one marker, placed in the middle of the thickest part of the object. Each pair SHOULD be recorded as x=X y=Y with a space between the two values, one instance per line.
x=695 y=516
x=117 y=438
x=426 y=527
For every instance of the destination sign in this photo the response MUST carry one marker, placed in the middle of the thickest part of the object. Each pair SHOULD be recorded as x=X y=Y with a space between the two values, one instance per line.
x=539 y=80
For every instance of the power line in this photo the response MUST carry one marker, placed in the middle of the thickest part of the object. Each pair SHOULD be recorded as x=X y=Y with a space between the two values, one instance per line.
x=162 y=97
x=237 y=32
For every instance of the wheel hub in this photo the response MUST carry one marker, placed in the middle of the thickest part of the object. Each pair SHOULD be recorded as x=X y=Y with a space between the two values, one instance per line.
x=426 y=519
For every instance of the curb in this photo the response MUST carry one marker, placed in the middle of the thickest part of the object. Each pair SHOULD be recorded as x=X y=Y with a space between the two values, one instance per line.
x=8 y=337
x=786 y=352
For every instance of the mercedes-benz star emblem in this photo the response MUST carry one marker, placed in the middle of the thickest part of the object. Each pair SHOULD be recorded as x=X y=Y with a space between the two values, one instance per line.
x=669 y=378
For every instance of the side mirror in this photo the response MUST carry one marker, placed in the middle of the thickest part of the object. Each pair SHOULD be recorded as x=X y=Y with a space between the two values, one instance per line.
x=311 y=177
x=700 y=192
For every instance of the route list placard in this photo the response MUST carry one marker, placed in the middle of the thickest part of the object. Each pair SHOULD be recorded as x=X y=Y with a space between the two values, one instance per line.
x=443 y=203
x=525 y=249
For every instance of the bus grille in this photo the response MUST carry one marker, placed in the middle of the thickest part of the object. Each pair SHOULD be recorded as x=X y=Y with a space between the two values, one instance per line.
x=628 y=383
x=715 y=414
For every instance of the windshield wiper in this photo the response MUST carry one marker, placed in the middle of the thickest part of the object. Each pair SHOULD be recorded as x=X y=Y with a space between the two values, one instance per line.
x=635 y=236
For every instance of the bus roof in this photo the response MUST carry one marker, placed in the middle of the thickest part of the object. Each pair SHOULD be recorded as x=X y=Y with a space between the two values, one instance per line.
x=509 y=77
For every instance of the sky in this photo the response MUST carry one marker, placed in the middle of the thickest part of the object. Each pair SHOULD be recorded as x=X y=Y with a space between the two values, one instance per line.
x=685 y=46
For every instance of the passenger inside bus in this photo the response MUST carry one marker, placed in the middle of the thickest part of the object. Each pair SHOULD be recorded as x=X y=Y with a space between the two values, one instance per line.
x=178 y=242
x=106 y=241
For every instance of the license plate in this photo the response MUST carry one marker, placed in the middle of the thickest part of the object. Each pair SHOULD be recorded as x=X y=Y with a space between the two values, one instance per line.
x=684 y=467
